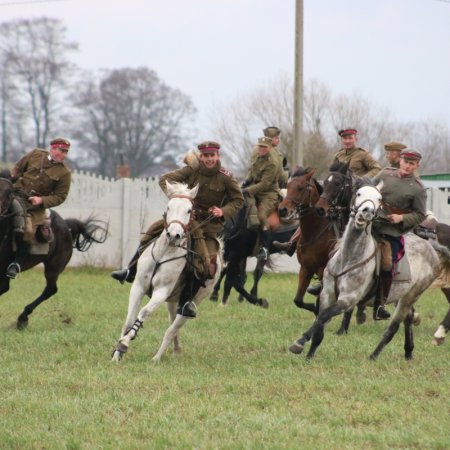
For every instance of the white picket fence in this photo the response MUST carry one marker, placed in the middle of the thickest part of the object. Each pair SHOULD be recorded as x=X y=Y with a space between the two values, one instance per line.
x=131 y=205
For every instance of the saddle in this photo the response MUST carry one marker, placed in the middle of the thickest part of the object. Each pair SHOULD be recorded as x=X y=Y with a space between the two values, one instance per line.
x=426 y=229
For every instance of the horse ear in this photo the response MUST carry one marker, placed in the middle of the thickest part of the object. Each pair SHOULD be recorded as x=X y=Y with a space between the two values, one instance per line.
x=310 y=172
x=169 y=189
x=194 y=191
x=380 y=185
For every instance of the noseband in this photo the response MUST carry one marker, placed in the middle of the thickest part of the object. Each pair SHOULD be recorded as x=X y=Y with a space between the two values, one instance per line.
x=185 y=226
x=299 y=204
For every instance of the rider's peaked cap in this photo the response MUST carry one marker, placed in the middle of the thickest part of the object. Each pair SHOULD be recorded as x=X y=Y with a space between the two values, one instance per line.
x=60 y=143
x=265 y=142
x=271 y=132
x=208 y=146
x=394 y=146
x=347 y=132
x=410 y=153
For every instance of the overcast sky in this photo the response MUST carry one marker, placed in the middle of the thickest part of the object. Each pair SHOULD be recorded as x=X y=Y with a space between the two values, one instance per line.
x=394 y=52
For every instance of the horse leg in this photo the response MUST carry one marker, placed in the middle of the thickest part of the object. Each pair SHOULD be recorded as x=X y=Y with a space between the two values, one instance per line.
x=304 y=277
x=172 y=308
x=409 y=335
x=317 y=329
x=49 y=290
x=4 y=285
x=257 y=274
x=444 y=327
x=345 y=324
x=215 y=293
x=243 y=275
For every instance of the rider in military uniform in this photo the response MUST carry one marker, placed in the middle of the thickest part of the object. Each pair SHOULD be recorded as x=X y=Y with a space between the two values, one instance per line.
x=361 y=161
x=283 y=174
x=403 y=207
x=261 y=188
x=393 y=150
x=219 y=198
x=41 y=180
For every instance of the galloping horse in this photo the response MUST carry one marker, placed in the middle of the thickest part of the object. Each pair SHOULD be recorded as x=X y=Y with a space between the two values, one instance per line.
x=160 y=271
x=239 y=244
x=349 y=275
x=318 y=233
x=68 y=234
x=337 y=190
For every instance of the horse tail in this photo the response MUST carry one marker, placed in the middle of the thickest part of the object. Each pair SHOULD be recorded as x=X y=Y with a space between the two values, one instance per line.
x=86 y=232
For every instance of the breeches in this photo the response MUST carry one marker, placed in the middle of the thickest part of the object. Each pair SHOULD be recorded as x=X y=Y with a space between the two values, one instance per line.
x=266 y=206
x=392 y=250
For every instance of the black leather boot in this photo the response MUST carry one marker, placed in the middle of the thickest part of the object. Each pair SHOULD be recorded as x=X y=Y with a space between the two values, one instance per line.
x=379 y=313
x=186 y=307
x=315 y=289
x=287 y=247
x=263 y=253
x=128 y=273
x=21 y=252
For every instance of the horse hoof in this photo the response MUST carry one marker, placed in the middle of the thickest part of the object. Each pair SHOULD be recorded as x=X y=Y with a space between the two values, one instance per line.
x=416 y=319
x=263 y=303
x=373 y=357
x=341 y=332
x=117 y=356
x=22 y=324
x=298 y=303
x=222 y=305
x=361 y=318
x=296 y=348
x=214 y=297
x=437 y=341
x=240 y=298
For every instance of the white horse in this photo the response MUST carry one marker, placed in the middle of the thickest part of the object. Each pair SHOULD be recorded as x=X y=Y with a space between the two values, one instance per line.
x=350 y=274
x=159 y=268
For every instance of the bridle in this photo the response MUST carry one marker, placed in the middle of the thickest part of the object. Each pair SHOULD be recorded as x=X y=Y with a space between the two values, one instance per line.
x=338 y=199
x=299 y=205
x=185 y=226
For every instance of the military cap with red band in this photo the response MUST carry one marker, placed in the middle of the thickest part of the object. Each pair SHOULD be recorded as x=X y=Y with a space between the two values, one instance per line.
x=60 y=143
x=410 y=153
x=208 y=146
x=347 y=132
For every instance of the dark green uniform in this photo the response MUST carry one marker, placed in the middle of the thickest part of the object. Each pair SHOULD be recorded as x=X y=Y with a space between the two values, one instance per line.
x=362 y=162
x=217 y=187
x=401 y=195
x=262 y=181
x=37 y=175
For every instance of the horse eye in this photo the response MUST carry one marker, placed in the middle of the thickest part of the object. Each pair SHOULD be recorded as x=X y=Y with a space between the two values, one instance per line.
x=189 y=212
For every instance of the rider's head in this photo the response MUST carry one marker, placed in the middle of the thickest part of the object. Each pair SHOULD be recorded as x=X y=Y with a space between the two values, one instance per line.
x=265 y=145
x=59 y=147
x=209 y=153
x=274 y=134
x=348 y=137
x=409 y=161
x=393 y=150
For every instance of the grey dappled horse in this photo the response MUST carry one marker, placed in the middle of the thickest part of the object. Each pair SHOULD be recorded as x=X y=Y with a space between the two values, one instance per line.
x=349 y=275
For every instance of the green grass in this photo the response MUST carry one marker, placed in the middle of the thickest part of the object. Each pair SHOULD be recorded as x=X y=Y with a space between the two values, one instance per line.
x=235 y=386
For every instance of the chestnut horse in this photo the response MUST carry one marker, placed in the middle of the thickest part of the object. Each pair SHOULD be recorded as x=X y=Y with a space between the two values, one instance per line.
x=318 y=233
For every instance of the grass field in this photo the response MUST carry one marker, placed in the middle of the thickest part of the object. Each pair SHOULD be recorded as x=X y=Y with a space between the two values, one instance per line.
x=234 y=387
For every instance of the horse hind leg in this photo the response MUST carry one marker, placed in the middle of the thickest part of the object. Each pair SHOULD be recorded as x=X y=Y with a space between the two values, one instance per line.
x=345 y=324
x=169 y=336
x=444 y=326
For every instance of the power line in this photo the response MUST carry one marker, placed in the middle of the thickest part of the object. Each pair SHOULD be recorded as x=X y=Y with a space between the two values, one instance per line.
x=24 y=2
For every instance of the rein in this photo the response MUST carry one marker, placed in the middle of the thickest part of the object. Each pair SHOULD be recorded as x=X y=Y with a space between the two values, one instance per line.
x=185 y=226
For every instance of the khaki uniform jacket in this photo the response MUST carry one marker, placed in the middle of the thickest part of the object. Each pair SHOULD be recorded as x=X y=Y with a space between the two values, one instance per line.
x=36 y=174
x=405 y=196
x=263 y=176
x=283 y=175
x=362 y=163
x=217 y=187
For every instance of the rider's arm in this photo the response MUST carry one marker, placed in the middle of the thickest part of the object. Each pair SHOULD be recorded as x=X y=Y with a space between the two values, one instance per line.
x=59 y=193
x=372 y=165
x=234 y=196
x=268 y=177
x=177 y=176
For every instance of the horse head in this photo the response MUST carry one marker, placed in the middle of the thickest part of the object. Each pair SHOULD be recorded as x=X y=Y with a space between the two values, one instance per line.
x=337 y=189
x=302 y=192
x=366 y=204
x=179 y=212
x=6 y=191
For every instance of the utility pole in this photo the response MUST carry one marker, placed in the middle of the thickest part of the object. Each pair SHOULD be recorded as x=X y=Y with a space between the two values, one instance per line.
x=297 y=148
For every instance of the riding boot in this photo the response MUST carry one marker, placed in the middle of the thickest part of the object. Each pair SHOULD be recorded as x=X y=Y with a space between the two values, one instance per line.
x=379 y=313
x=263 y=253
x=186 y=307
x=21 y=252
x=291 y=246
x=315 y=289
x=128 y=273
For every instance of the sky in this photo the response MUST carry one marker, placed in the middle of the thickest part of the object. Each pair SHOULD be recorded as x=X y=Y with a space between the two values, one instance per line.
x=394 y=52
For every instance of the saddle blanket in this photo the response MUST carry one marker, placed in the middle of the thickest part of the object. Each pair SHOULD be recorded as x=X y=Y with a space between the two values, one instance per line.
x=402 y=271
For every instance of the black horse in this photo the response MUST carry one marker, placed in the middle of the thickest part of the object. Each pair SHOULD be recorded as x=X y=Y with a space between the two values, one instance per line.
x=68 y=234
x=239 y=244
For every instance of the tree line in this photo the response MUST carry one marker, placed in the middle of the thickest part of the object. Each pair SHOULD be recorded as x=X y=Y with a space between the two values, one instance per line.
x=130 y=116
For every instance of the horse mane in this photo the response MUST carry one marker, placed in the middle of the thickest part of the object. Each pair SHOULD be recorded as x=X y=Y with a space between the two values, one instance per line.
x=339 y=166
x=180 y=188
x=364 y=181
x=300 y=171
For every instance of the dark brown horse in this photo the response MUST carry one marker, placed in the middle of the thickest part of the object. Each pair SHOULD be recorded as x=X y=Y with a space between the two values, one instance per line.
x=318 y=233
x=68 y=234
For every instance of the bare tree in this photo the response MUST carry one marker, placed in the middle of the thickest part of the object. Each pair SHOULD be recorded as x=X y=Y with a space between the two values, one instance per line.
x=34 y=53
x=131 y=116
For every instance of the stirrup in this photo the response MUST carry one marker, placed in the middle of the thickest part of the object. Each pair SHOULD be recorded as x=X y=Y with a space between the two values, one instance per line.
x=186 y=310
x=12 y=270
x=380 y=314
x=263 y=254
